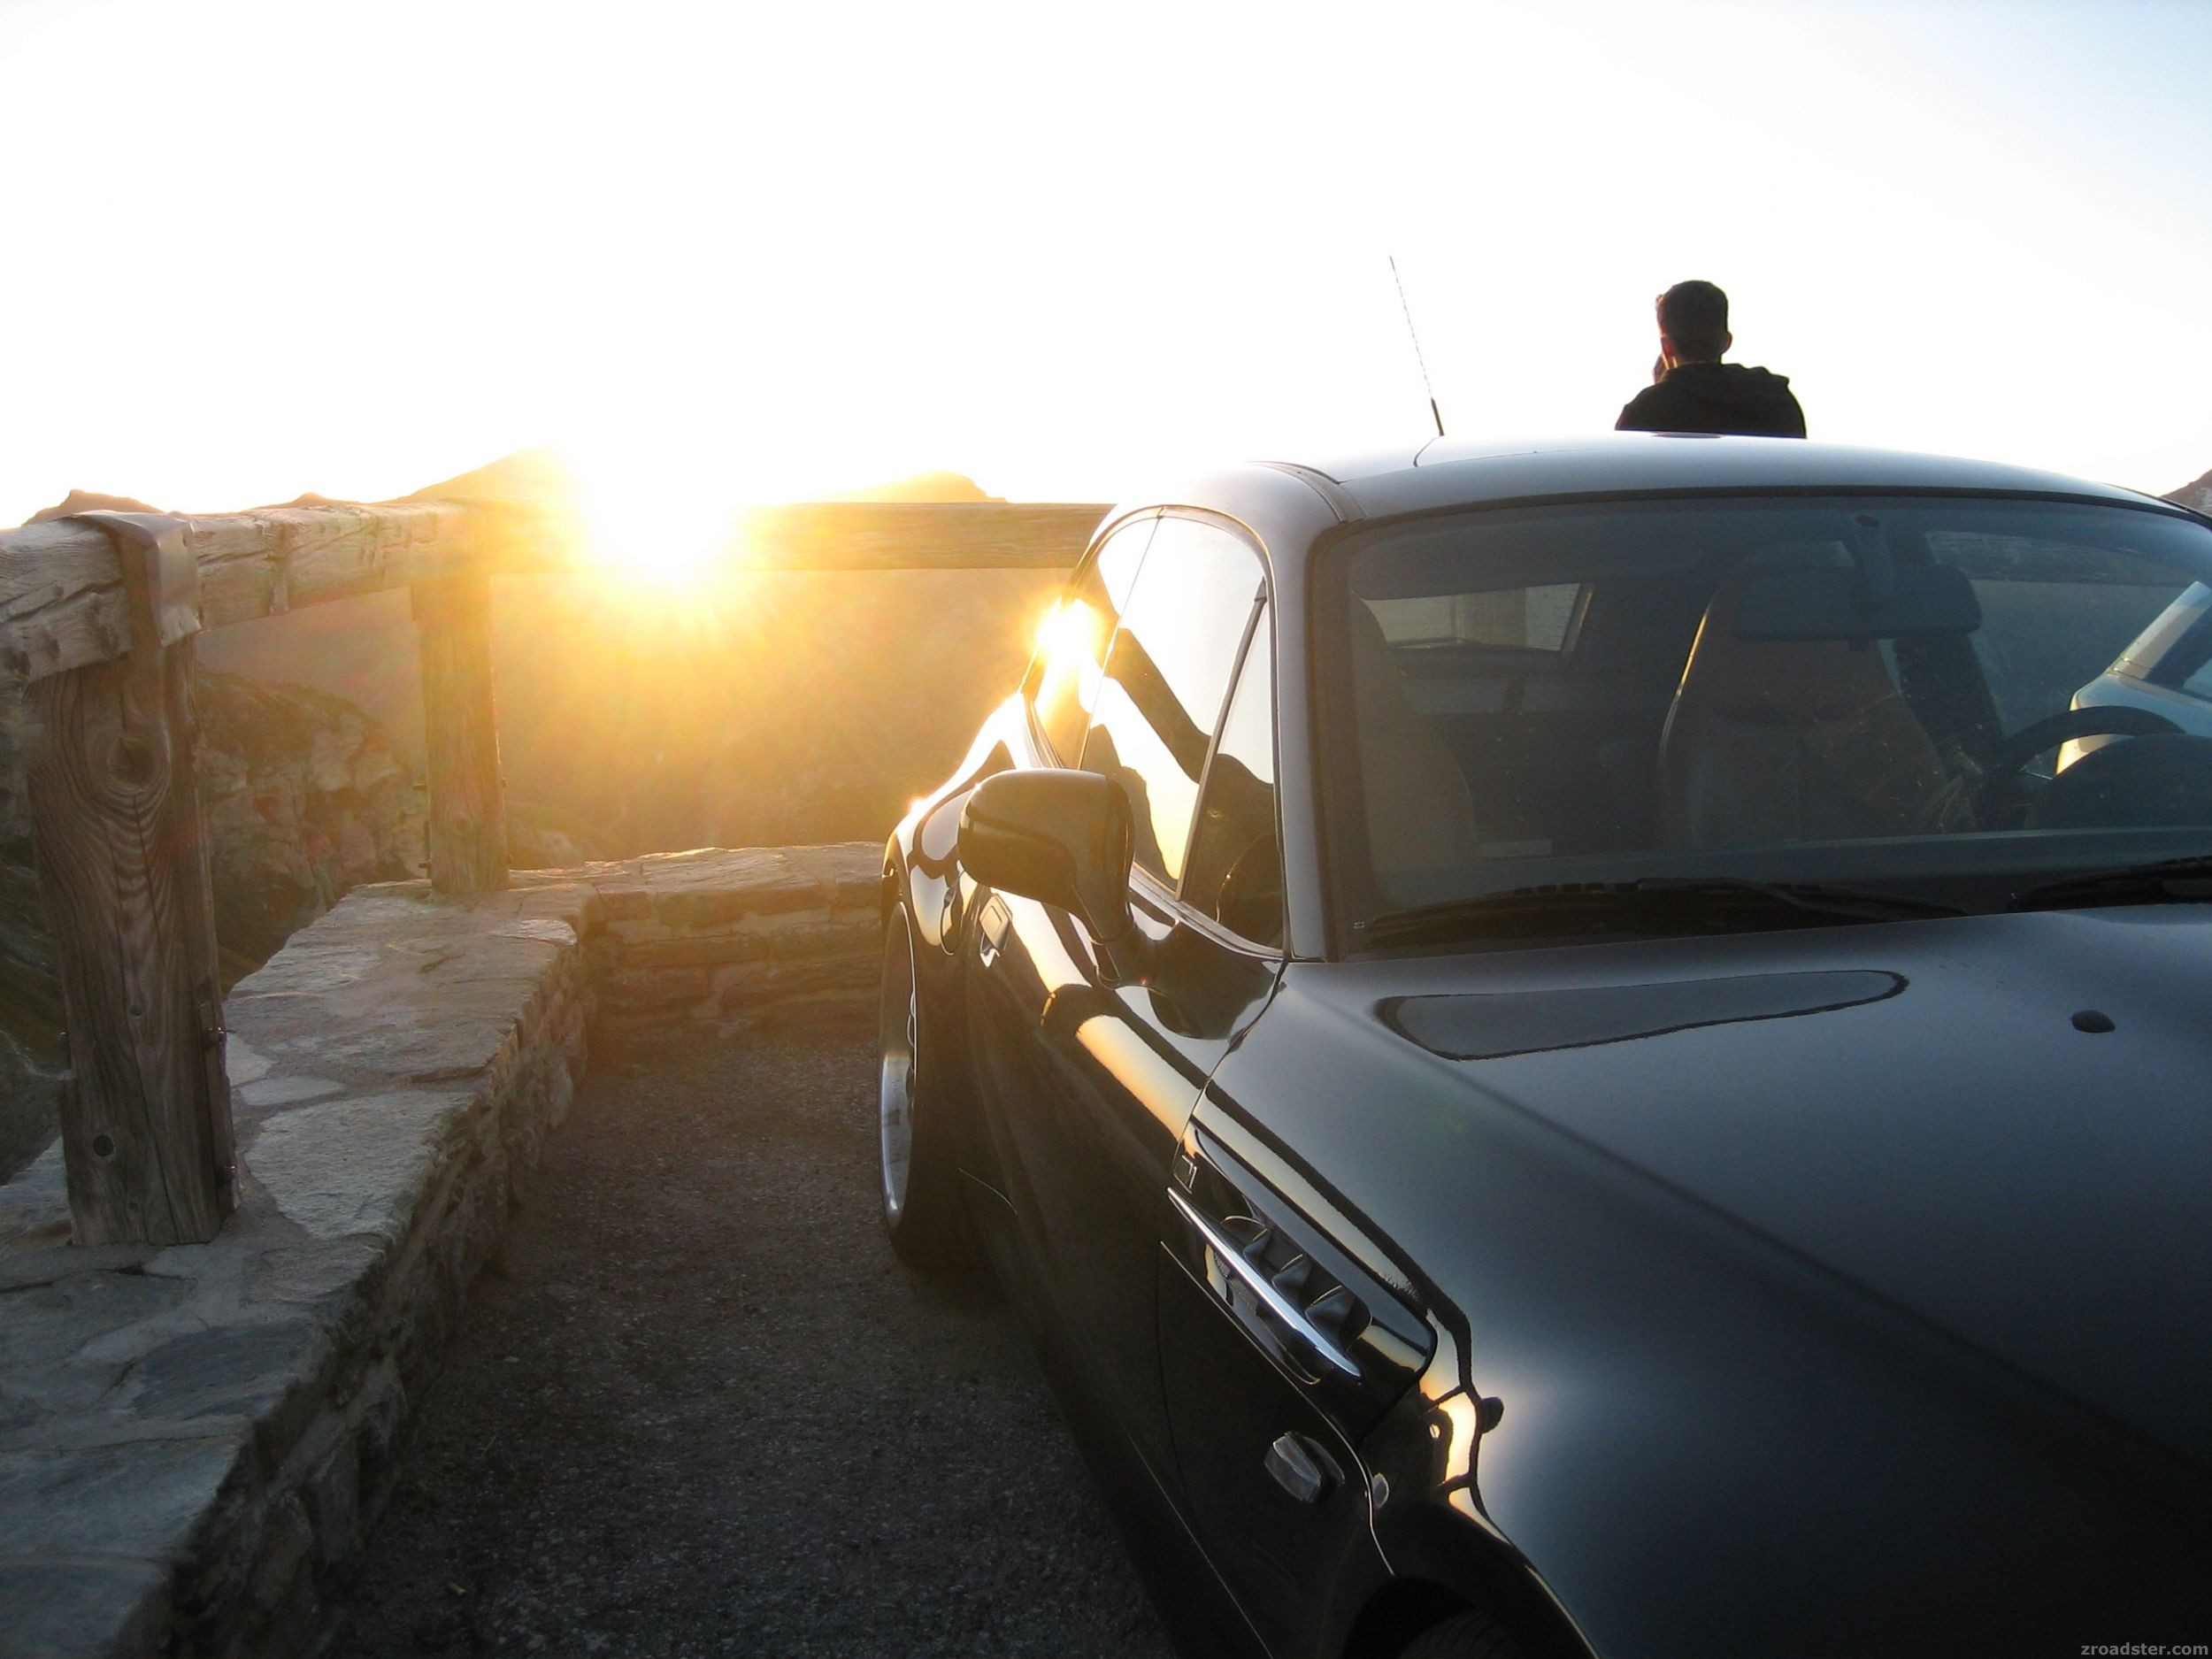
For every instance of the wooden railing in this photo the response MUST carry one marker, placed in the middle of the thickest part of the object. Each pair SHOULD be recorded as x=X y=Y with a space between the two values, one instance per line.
x=97 y=615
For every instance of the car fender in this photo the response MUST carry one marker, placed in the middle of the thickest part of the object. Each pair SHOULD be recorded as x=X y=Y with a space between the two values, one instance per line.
x=1683 y=1474
x=922 y=871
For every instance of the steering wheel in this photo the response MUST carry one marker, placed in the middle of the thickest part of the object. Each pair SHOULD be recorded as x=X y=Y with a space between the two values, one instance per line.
x=1999 y=789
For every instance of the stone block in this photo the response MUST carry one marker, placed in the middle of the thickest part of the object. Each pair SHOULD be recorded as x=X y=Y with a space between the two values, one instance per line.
x=358 y=1165
x=625 y=901
x=775 y=981
x=700 y=909
x=560 y=1094
x=657 y=988
x=281 y=1562
x=270 y=1374
x=695 y=890
x=382 y=1409
x=859 y=938
x=145 y=1499
x=708 y=950
x=83 y=1607
x=850 y=873
x=332 y=1496
x=48 y=1325
x=732 y=975
x=576 y=903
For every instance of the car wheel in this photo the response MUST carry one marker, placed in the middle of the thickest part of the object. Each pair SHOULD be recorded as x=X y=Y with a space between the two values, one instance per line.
x=920 y=1183
x=1469 y=1636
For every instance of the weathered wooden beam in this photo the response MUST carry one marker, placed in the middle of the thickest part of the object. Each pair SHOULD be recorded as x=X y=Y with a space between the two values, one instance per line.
x=873 y=535
x=123 y=872
x=61 y=589
x=468 y=809
x=62 y=605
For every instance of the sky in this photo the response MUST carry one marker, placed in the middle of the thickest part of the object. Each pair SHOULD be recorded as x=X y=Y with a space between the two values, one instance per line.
x=722 y=254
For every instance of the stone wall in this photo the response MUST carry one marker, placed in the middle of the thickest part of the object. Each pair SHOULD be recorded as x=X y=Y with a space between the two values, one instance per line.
x=714 y=941
x=191 y=1438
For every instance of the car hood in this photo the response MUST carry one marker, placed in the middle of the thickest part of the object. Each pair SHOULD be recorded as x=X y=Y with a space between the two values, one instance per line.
x=1934 y=1111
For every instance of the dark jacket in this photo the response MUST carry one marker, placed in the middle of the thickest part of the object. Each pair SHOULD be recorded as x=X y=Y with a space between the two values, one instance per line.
x=1717 y=398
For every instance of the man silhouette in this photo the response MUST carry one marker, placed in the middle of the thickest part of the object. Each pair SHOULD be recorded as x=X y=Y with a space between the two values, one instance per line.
x=1693 y=390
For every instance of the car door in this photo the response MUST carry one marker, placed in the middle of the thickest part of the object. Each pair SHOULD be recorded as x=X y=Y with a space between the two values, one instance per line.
x=1280 y=1342
x=1284 y=1336
x=1090 y=1067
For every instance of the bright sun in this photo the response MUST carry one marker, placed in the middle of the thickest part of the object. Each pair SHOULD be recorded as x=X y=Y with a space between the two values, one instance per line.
x=645 y=523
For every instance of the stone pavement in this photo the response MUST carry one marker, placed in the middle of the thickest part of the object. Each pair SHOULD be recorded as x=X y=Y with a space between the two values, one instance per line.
x=185 y=1432
x=700 y=1411
x=190 y=1436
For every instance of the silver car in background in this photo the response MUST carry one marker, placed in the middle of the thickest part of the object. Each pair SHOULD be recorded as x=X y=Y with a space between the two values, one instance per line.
x=2167 y=671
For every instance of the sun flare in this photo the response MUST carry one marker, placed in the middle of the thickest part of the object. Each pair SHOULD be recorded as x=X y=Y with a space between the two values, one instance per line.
x=1068 y=632
x=645 y=525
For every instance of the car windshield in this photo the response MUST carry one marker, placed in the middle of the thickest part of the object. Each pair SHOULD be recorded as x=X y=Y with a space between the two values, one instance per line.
x=1938 y=701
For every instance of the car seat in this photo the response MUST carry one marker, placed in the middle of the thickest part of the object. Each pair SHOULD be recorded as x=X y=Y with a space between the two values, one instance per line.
x=1787 y=741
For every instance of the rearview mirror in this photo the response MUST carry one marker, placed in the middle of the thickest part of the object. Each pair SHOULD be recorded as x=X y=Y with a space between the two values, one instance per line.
x=1803 y=605
x=1062 y=838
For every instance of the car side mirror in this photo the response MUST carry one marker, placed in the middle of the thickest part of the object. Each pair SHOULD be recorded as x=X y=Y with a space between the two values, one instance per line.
x=1062 y=838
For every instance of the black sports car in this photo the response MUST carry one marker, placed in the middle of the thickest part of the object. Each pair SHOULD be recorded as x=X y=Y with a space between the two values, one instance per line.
x=1547 y=1035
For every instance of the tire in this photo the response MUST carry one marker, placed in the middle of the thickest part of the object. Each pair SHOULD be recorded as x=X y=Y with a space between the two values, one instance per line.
x=1468 y=1636
x=920 y=1179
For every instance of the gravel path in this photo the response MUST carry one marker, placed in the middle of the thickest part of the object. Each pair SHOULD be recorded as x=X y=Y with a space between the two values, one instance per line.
x=699 y=1409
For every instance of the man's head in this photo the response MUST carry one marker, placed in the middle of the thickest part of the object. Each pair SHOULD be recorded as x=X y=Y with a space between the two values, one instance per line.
x=1694 y=324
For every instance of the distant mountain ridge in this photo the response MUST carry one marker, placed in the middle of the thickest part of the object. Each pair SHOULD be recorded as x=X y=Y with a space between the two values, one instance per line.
x=2196 y=494
x=543 y=475
x=938 y=485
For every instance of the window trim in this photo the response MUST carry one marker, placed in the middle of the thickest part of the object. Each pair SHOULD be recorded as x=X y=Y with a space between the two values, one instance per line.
x=1221 y=722
x=1239 y=536
x=1262 y=606
x=1206 y=924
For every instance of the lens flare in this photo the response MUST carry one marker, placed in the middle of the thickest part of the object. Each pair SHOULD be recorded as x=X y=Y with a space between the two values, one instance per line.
x=1068 y=635
x=646 y=522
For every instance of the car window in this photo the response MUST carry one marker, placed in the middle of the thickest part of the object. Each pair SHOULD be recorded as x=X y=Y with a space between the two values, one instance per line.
x=2056 y=612
x=2177 y=650
x=1166 y=678
x=1538 y=619
x=1531 y=701
x=1069 y=667
x=1236 y=873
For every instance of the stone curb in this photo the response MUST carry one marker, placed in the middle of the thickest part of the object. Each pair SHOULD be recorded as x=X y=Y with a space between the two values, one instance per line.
x=192 y=1437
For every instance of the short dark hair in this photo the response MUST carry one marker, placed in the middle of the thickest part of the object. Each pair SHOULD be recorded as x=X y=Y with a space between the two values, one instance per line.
x=1695 y=316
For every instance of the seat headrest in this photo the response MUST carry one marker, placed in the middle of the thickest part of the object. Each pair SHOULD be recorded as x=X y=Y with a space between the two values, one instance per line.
x=1777 y=683
x=1419 y=814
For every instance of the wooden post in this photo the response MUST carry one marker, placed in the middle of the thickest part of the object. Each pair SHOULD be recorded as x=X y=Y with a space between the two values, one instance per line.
x=123 y=869
x=468 y=811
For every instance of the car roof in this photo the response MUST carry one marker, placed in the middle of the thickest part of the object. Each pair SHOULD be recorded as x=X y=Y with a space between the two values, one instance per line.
x=1451 y=472
x=1287 y=503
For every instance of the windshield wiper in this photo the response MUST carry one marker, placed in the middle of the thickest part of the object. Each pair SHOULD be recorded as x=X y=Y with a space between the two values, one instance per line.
x=2164 y=881
x=1651 y=904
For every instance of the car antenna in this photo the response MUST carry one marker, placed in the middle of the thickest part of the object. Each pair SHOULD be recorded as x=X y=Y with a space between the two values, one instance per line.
x=1435 y=413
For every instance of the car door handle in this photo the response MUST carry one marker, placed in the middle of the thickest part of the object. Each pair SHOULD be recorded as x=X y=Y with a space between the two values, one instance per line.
x=1247 y=1263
